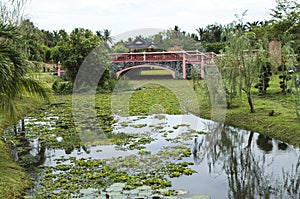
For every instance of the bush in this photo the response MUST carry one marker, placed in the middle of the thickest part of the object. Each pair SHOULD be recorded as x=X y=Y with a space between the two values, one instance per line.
x=107 y=82
x=264 y=78
x=62 y=87
x=281 y=68
x=214 y=47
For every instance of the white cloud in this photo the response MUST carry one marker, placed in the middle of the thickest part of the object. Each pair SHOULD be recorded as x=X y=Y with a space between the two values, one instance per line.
x=109 y=4
x=121 y=16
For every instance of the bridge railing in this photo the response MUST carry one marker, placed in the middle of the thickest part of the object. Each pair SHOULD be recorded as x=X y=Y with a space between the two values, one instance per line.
x=189 y=56
x=146 y=56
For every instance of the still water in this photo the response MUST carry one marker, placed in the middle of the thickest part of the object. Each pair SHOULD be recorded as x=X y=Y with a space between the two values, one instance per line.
x=229 y=162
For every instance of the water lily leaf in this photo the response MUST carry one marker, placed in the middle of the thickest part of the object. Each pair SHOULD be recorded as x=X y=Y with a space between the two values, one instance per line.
x=199 y=197
x=116 y=187
x=88 y=191
x=144 y=188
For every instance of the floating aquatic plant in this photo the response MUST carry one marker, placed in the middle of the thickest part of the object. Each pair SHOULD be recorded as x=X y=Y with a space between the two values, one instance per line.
x=72 y=177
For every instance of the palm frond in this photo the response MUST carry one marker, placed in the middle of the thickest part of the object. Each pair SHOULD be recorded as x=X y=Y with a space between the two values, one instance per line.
x=7 y=107
x=8 y=31
x=33 y=87
x=13 y=69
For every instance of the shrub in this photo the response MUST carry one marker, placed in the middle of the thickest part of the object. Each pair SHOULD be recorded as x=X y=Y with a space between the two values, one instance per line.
x=62 y=87
x=264 y=78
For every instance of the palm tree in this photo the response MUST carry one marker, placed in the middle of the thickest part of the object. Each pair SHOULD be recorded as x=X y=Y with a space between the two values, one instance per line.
x=200 y=32
x=105 y=35
x=99 y=34
x=13 y=67
x=250 y=25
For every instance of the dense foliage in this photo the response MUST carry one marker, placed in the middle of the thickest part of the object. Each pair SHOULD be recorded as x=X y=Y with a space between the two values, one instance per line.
x=265 y=72
x=75 y=47
x=14 y=82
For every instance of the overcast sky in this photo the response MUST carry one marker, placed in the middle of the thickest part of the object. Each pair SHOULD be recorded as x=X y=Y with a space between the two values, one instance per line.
x=121 y=16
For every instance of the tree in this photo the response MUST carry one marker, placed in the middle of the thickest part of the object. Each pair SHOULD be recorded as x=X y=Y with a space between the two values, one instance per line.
x=200 y=31
x=249 y=68
x=34 y=44
x=49 y=38
x=212 y=33
x=105 y=35
x=264 y=67
x=61 y=39
x=229 y=67
x=288 y=59
x=120 y=47
x=286 y=22
x=297 y=96
x=74 y=48
x=286 y=9
x=211 y=37
x=240 y=45
x=13 y=67
x=252 y=25
x=265 y=71
x=174 y=39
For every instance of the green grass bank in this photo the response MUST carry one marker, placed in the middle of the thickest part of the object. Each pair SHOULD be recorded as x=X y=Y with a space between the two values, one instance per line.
x=13 y=178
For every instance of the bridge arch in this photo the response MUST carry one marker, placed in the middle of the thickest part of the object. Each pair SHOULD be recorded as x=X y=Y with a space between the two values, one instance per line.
x=172 y=72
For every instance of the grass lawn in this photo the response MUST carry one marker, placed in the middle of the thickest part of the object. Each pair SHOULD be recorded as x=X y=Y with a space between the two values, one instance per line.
x=155 y=72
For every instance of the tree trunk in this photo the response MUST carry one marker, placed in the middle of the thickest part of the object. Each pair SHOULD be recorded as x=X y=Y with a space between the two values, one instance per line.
x=23 y=125
x=250 y=139
x=229 y=105
x=250 y=103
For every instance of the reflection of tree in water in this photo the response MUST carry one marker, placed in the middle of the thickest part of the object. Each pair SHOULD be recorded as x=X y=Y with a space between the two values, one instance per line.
x=246 y=175
x=214 y=146
x=282 y=146
x=226 y=151
x=29 y=149
x=197 y=153
x=264 y=142
x=291 y=182
x=21 y=151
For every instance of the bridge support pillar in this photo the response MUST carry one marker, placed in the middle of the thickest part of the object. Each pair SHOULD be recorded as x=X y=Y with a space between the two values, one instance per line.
x=202 y=68
x=184 y=67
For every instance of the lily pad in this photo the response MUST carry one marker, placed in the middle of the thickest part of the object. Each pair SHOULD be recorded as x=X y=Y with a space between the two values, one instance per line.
x=88 y=191
x=115 y=187
x=199 y=197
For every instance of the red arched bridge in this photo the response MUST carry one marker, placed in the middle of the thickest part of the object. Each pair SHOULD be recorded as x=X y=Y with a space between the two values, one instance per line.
x=178 y=63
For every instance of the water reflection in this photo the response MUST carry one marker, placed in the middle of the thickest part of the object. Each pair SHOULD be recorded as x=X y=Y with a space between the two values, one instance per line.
x=252 y=170
x=282 y=146
x=231 y=163
x=28 y=152
x=264 y=142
